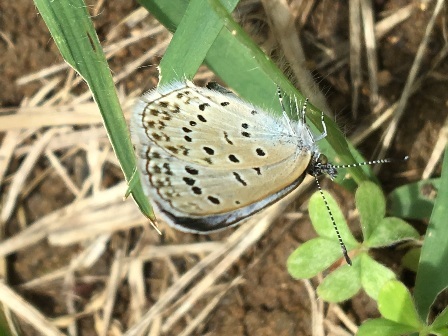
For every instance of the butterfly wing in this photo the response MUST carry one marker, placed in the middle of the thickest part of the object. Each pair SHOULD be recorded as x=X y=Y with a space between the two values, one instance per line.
x=222 y=175
x=210 y=128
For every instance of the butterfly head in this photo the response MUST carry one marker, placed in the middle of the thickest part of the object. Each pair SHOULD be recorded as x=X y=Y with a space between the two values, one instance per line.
x=319 y=165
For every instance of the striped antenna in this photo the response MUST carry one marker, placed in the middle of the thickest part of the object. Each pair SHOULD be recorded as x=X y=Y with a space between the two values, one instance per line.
x=341 y=243
x=319 y=167
x=366 y=163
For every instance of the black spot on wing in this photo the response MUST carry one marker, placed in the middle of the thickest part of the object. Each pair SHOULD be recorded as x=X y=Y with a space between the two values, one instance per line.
x=214 y=200
x=226 y=137
x=173 y=149
x=233 y=158
x=156 y=136
x=208 y=150
x=239 y=179
x=190 y=181
x=197 y=190
x=203 y=106
x=191 y=171
x=260 y=152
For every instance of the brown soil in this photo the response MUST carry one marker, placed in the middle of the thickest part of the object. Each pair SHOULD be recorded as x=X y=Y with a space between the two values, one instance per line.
x=269 y=301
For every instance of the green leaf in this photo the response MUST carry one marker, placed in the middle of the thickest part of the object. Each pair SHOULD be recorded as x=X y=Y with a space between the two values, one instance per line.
x=432 y=275
x=379 y=231
x=411 y=258
x=395 y=303
x=383 y=327
x=345 y=282
x=73 y=32
x=372 y=207
x=391 y=230
x=441 y=322
x=341 y=284
x=313 y=257
x=374 y=276
x=322 y=222
x=192 y=41
x=414 y=200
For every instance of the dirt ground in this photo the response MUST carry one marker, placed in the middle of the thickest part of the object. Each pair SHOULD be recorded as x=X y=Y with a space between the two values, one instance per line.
x=267 y=301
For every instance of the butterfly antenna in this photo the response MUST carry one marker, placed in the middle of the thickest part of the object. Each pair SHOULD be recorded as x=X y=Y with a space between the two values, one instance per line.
x=366 y=163
x=341 y=243
x=333 y=168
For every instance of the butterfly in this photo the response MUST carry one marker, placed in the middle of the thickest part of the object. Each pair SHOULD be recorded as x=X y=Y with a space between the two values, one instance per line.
x=209 y=160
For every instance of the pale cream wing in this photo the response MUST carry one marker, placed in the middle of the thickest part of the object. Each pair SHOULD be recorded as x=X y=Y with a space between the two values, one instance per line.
x=188 y=189
x=208 y=128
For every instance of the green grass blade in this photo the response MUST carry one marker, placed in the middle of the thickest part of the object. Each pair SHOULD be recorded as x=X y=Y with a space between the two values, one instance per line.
x=72 y=30
x=190 y=44
x=432 y=276
x=235 y=58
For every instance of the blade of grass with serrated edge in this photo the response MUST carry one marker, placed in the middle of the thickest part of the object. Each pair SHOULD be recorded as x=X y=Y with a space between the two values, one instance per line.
x=72 y=30
x=432 y=276
x=235 y=58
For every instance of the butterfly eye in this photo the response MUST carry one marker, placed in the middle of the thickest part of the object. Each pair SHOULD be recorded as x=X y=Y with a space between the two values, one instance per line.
x=322 y=159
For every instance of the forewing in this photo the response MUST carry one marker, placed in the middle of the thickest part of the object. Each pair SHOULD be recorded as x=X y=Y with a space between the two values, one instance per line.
x=209 y=128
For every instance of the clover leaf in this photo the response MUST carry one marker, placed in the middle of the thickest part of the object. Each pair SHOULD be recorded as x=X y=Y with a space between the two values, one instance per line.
x=320 y=253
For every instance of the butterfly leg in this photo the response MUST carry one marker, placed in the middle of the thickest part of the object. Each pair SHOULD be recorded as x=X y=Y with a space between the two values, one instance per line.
x=285 y=115
x=324 y=132
x=303 y=111
x=301 y=114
